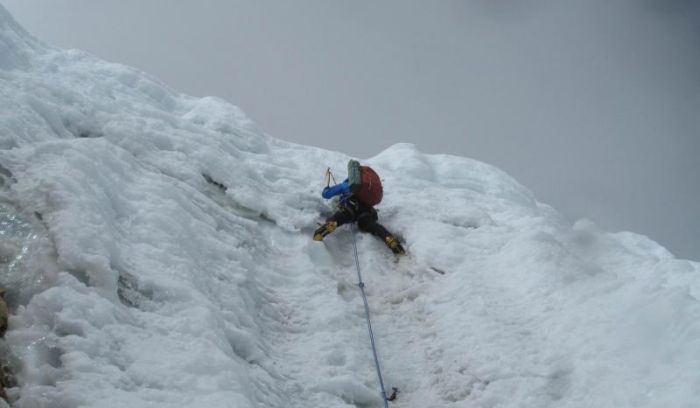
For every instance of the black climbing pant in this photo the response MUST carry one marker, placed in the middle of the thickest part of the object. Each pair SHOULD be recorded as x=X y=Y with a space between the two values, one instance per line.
x=351 y=210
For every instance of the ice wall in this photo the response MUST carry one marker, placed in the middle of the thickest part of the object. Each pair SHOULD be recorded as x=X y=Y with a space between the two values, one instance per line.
x=156 y=250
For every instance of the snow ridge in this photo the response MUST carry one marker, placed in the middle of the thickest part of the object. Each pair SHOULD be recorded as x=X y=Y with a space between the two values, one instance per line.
x=16 y=45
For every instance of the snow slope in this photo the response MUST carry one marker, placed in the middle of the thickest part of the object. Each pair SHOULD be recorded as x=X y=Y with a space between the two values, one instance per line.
x=156 y=249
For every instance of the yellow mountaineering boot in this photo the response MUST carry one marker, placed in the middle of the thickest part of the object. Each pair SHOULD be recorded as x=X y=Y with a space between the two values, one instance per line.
x=394 y=245
x=324 y=230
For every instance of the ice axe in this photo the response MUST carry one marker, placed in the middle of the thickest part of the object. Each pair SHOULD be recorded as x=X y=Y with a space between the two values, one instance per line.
x=329 y=176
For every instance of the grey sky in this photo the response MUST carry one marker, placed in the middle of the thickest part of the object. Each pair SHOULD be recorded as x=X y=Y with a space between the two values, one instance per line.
x=592 y=104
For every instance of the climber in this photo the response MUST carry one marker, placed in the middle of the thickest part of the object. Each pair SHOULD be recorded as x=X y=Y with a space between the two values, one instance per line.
x=359 y=193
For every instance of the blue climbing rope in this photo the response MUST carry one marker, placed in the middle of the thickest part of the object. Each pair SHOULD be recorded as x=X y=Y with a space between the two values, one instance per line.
x=361 y=284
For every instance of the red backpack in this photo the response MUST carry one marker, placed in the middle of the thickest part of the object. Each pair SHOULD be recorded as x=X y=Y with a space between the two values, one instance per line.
x=365 y=183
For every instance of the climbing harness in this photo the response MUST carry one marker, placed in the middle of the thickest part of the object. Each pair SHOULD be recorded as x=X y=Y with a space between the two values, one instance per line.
x=361 y=284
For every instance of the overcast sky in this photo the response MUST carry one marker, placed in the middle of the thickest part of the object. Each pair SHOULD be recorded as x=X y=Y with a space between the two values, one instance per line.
x=592 y=104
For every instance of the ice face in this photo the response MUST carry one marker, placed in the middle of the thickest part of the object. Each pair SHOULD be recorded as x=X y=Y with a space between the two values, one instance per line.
x=23 y=246
x=157 y=250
